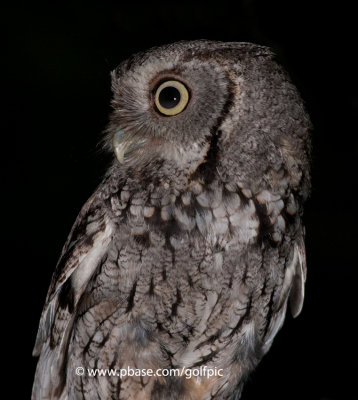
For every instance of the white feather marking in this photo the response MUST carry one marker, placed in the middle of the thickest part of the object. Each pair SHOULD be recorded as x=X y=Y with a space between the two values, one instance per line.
x=90 y=260
x=290 y=272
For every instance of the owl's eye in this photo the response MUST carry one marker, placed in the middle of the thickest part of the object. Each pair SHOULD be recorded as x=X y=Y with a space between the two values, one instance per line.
x=171 y=98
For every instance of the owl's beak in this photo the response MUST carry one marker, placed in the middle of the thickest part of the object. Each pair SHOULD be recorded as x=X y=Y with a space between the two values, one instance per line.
x=119 y=145
x=124 y=144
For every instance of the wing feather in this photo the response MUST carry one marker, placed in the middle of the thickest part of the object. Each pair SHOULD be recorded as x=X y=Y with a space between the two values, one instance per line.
x=297 y=292
x=82 y=254
x=292 y=291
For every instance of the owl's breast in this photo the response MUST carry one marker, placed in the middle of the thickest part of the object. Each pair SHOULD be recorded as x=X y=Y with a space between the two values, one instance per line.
x=190 y=278
x=176 y=254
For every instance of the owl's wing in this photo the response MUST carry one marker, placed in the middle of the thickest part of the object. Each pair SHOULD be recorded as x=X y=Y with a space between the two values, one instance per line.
x=81 y=255
x=297 y=290
x=292 y=290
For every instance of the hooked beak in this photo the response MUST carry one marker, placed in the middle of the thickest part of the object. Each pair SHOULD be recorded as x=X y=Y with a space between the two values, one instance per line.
x=124 y=144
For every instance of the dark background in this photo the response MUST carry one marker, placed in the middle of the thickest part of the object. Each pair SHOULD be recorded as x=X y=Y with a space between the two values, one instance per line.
x=57 y=89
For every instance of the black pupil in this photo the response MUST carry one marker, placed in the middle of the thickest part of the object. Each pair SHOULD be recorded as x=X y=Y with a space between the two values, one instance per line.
x=169 y=97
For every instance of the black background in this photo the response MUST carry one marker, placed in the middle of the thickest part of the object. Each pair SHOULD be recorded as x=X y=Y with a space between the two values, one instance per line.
x=57 y=89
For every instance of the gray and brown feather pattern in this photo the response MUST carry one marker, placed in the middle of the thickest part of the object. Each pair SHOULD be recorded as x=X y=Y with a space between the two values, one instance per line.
x=190 y=249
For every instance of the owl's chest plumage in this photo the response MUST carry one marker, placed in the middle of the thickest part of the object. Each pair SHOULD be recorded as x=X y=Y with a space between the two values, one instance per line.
x=185 y=271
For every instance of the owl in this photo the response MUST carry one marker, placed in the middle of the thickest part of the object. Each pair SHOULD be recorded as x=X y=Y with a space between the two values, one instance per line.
x=184 y=259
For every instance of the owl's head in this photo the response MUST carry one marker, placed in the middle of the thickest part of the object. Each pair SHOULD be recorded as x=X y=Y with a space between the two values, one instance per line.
x=210 y=110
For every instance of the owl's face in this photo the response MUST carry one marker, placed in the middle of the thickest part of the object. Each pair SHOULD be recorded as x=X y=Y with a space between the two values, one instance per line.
x=170 y=103
x=190 y=102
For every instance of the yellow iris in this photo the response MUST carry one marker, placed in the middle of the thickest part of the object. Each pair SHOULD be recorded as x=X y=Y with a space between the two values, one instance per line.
x=171 y=98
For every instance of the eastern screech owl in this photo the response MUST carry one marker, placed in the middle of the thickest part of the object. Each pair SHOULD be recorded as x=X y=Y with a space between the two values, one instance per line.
x=188 y=252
